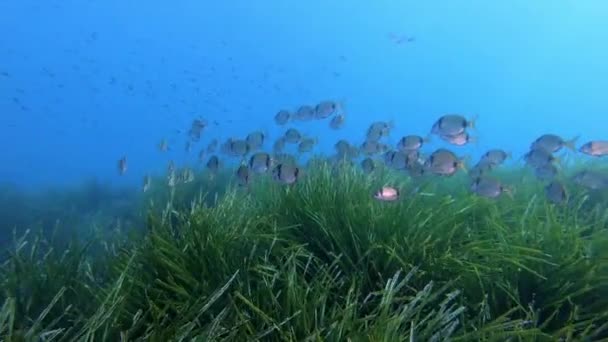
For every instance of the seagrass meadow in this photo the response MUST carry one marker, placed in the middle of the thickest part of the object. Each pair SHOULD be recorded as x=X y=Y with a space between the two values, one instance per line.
x=319 y=261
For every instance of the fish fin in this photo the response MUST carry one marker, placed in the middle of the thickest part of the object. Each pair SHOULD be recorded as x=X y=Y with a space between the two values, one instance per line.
x=571 y=144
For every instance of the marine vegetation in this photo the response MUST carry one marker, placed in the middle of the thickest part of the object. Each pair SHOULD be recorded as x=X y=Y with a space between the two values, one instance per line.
x=322 y=259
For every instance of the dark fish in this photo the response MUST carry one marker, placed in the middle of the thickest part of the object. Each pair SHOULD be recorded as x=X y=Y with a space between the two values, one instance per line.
x=553 y=143
x=556 y=192
x=368 y=165
x=411 y=142
x=260 y=162
x=488 y=187
x=452 y=124
x=282 y=117
x=286 y=173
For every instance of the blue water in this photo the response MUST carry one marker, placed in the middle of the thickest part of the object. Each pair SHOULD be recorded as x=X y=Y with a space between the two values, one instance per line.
x=91 y=81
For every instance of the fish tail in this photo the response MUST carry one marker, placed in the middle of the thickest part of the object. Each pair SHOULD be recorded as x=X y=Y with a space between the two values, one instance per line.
x=571 y=144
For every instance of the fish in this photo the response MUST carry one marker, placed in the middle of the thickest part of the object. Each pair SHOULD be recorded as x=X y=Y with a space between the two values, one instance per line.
x=279 y=145
x=282 y=117
x=306 y=145
x=337 y=121
x=286 y=173
x=292 y=136
x=553 y=143
x=387 y=194
x=326 y=109
x=260 y=162
x=539 y=157
x=213 y=164
x=368 y=165
x=255 y=140
x=196 y=129
x=590 y=179
x=201 y=155
x=236 y=147
x=444 y=162
x=452 y=124
x=556 y=192
x=495 y=157
x=305 y=113
x=372 y=147
x=379 y=129
x=242 y=175
x=399 y=160
x=480 y=169
x=546 y=172
x=489 y=187
x=342 y=146
x=595 y=148
x=411 y=142
x=122 y=165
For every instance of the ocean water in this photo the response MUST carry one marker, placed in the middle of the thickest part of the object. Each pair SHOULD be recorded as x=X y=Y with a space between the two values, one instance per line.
x=86 y=82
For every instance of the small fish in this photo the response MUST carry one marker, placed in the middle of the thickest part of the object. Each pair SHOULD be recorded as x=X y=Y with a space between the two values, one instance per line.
x=342 y=146
x=292 y=136
x=379 y=129
x=556 y=192
x=122 y=166
x=495 y=157
x=416 y=169
x=411 y=143
x=452 y=124
x=213 y=164
x=188 y=146
x=201 y=155
x=279 y=145
x=373 y=147
x=595 y=148
x=387 y=194
x=255 y=140
x=368 y=165
x=444 y=162
x=553 y=143
x=539 y=157
x=546 y=172
x=398 y=160
x=480 y=169
x=242 y=175
x=305 y=113
x=306 y=145
x=488 y=187
x=286 y=173
x=337 y=122
x=590 y=179
x=260 y=162
x=326 y=109
x=460 y=139
x=147 y=182
x=196 y=129
x=282 y=117
x=236 y=147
